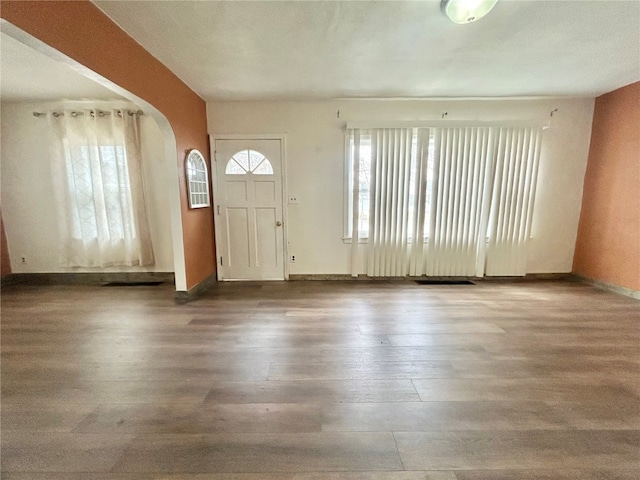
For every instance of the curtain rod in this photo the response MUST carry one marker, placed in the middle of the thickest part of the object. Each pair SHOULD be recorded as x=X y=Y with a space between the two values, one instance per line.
x=101 y=113
x=445 y=124
x=531 y=122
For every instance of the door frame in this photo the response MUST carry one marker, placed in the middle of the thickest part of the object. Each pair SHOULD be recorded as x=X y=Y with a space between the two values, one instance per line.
x=217 y=189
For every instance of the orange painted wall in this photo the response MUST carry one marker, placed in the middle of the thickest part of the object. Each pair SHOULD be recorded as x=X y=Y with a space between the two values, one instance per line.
x=5 y=263
x=81 y=31
x=608 y=244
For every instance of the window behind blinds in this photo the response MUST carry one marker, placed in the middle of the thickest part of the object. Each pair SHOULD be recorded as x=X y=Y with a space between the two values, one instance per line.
x=454 y=201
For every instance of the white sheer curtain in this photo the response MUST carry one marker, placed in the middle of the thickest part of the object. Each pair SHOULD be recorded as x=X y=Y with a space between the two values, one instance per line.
x=99 y=189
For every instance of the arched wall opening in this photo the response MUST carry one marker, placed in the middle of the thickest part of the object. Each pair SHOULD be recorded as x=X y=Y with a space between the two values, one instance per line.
x=80 y=35
x=171 y=188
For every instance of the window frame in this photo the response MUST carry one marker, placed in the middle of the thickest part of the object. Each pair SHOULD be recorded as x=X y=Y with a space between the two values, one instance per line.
x=347 y=235
x=73 y=177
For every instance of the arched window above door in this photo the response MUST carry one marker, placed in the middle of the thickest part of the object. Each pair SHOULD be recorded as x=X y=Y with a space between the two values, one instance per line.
x=248 y=161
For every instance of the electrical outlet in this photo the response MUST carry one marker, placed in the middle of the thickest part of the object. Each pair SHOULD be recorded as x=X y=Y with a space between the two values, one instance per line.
x=293 y=200
x=292 y=259
x=23 y=259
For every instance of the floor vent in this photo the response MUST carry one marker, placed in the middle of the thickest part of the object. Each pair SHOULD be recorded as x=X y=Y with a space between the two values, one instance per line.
x=132 y=284
x=444 y=282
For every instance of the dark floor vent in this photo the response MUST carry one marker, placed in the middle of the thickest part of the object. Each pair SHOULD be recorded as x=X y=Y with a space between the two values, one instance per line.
x=132 y=284
x=444 y=282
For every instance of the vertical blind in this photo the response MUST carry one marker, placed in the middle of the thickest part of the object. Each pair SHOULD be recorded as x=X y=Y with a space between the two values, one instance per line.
x=513 y=200
x=389 y=202
x=455 y=201
x=462 y=169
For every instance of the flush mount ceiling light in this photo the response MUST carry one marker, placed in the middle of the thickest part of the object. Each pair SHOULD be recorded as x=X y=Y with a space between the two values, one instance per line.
x=466 y=11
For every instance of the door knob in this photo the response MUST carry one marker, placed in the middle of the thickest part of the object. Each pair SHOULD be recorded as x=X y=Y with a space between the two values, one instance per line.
x=278 y=223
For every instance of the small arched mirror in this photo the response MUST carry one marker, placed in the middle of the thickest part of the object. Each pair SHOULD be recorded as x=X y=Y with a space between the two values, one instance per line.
x=197 y=180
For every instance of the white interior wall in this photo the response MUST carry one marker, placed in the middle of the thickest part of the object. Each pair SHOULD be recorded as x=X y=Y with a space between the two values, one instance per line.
x=27 y=192
x=315 y=166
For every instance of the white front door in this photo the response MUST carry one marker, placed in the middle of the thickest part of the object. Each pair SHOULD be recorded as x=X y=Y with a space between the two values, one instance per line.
x=249 y=220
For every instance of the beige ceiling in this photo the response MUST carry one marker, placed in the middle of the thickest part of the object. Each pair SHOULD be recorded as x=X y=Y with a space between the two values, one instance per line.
x=28 y=75
x=309 y=50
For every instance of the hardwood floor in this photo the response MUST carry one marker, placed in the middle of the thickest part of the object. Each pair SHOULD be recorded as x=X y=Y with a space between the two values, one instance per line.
x=321 y=380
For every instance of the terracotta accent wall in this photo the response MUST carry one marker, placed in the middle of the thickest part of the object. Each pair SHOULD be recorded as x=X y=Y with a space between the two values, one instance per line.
x=82 y=32
x=5 y=264
x=608 y=244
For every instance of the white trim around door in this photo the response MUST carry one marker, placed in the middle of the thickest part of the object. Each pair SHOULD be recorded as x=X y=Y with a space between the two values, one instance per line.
x=218 y=192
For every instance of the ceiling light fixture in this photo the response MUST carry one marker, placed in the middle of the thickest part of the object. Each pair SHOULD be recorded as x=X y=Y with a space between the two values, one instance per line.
x=466 y=11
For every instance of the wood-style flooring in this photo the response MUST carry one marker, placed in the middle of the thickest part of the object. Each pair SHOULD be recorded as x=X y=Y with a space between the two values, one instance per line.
x=321 y=380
